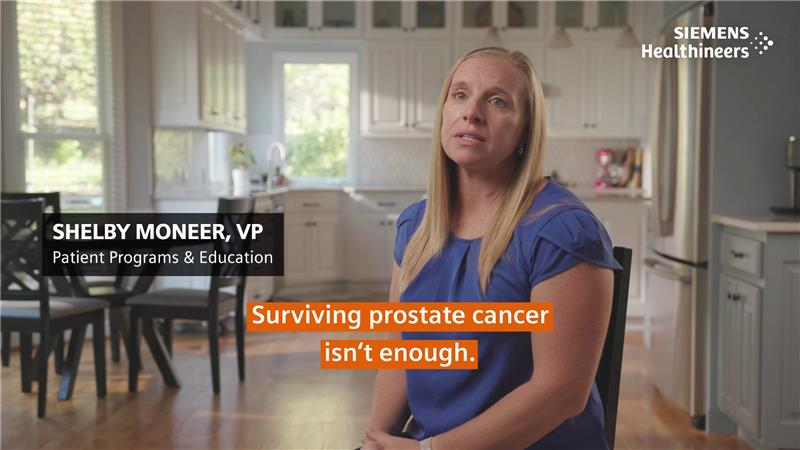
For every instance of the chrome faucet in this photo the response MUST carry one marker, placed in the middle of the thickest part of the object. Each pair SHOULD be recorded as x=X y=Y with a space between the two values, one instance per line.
x=272 y=182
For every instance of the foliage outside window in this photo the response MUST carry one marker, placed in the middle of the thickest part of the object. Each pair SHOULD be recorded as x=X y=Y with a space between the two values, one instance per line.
x=57 y=47
x=316 y=119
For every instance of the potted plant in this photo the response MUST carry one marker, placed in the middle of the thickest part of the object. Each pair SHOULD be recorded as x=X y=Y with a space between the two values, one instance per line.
x=241 y=159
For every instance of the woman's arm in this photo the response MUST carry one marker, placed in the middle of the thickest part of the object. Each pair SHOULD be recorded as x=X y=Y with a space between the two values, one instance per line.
x=389 y=395
x=566 y=360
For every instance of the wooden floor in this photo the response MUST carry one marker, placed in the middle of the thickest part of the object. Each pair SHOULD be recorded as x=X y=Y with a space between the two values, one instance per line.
x=287 y=402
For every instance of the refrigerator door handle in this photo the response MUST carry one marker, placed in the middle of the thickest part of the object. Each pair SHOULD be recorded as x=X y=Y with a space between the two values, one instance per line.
x=660 y=269
x=663 y=126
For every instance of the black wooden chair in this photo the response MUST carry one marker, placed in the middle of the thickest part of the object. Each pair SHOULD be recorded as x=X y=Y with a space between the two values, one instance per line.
x=28 y=308
x=195 y=304
x=60 y=284
x=609 y=371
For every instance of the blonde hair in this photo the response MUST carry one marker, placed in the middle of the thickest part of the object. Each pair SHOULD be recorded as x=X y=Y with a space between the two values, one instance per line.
x=515 y=197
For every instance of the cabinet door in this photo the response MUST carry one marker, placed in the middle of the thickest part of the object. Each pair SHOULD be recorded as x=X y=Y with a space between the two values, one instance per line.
x=474 y=18
x=429 y=19
x=231 y=84
x=385 y=19
x=610 y=88
x=296 y=248
x=566 y=72
x=325 y=255
x=728 y=357
x=175 y=80
x=336 y=18
x=240 y=113
x=430 y=63
x=748 y=407
x=521 y=19
x=387 y=73
x=370 y=252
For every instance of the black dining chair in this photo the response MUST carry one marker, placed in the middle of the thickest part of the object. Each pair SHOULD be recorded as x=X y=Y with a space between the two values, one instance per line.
x=196 y=304
x=60 y=284
x=27 y=307
x=609 y=370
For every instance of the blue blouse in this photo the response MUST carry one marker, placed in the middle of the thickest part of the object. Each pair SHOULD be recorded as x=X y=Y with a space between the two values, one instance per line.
x=558 y=233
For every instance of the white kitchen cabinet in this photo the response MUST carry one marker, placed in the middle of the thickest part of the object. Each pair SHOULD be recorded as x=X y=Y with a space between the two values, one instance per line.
x=315 y=19
x=373 y=247
x=626 y=224
x=312 y=248
x=756 y=341
x=601 y=18
x=510 y=19
x=404 y=83
x=592 y=90
x=198 y=67
x=408 y=19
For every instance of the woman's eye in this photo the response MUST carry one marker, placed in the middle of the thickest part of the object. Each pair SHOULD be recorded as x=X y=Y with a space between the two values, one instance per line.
x=497 y=101
x=459 y=95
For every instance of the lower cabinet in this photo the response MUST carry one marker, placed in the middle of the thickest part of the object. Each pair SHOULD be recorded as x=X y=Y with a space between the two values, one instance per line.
x=312 y=247
x=740 y=353
x=373 y=247
x=758 y=343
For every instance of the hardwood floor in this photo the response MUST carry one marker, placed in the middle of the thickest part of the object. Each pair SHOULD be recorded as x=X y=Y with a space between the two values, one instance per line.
x=287 y=402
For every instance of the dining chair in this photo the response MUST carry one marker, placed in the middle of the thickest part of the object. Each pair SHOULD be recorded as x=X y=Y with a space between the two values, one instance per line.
x=60 y=284
x=196 y=304
x=609 y=370
x=27 y=307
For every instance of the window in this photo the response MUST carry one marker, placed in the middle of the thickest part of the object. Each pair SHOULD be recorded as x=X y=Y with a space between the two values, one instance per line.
x=317 y=115
x=60 y=101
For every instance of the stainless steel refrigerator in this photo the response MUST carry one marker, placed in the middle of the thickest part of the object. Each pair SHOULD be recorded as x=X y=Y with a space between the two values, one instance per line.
x=678 y=254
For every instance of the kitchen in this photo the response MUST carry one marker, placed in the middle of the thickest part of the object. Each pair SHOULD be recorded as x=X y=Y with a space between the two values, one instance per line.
x=201 y=100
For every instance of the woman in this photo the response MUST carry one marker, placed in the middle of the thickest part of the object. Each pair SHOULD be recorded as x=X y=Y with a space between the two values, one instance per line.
x=492 y=229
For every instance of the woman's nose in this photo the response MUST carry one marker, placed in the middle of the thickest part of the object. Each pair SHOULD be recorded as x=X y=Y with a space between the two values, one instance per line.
x=472 y=114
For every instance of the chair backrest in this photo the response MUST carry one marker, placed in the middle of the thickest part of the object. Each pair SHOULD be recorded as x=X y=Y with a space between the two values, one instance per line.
x=232 y=212
x=21 y=264
x=52 y=204
x=610 y=369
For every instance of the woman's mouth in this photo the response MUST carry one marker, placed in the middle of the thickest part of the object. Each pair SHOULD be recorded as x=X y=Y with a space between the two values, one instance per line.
x=470 y=137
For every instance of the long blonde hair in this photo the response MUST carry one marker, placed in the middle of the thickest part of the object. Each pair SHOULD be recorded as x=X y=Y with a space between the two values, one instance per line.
x=515 y=197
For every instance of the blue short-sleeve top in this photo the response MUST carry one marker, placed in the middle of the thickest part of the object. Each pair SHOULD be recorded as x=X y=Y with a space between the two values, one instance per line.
x=558 y=232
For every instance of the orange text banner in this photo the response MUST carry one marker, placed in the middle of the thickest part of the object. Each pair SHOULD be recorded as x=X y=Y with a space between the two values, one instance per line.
x=398 y=354
x=384 y=316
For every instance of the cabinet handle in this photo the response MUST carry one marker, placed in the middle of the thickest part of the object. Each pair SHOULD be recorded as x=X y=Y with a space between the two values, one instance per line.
x=503 y=29
x=737 y=255
x=214 y=112
x=311 y=205
x=594 y=125
x=586 y=28
x=383 y=223
x=594 y=28
x=390 y=223
x=319 y=28
x=734 y=297
x=387 y=204
x=585 y=125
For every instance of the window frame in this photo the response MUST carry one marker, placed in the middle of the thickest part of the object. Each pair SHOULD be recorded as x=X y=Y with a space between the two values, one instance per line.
x=103 y=130
x=300 y=57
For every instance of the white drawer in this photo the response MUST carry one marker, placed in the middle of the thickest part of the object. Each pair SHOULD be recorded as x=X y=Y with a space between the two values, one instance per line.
x=741 y=253
x=384 y=202
x=312 y=202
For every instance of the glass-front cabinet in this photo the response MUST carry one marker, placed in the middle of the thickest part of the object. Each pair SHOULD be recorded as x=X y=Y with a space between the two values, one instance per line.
x=507 y=18
x=408 y=18
x=592 y=16
x=314 y=19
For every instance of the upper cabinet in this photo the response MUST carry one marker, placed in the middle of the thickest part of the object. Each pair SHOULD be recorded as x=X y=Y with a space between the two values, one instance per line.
x=313 y=19
x=198 y=67
x=426 y=19
x=604 y=17
x=510 y=19
x=404 y=82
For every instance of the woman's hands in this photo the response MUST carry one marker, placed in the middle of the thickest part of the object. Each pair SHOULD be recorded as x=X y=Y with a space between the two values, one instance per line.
x=384 y=441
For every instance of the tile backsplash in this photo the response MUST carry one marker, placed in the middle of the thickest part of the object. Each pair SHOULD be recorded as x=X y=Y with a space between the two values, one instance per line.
x=396 y=162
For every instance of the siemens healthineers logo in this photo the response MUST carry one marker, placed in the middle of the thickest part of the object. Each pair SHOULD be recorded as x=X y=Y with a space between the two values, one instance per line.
x=731 y=43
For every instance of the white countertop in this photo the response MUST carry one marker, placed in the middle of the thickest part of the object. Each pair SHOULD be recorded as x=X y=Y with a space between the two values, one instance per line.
x=769 y=223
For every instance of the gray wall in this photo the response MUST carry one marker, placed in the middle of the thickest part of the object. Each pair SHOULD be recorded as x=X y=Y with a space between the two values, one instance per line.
x=756 y=107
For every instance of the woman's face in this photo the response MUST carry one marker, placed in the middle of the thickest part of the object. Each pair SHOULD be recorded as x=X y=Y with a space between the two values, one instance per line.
x=484 y=115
